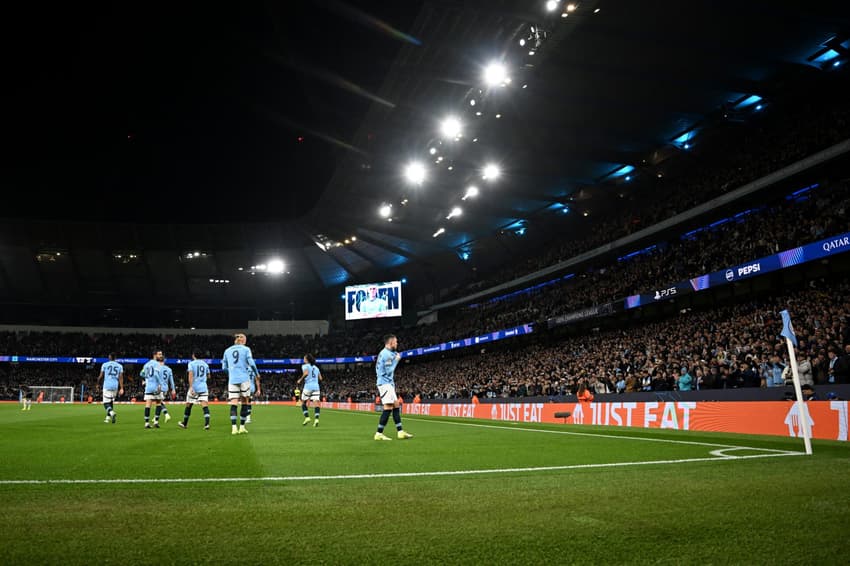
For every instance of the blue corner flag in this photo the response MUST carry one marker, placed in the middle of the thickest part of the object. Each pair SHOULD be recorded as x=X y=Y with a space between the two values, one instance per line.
x=787 y=328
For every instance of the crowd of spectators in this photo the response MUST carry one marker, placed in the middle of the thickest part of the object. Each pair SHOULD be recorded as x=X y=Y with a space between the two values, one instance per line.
x=731 y=347
x=771 y=229
x=788 y=136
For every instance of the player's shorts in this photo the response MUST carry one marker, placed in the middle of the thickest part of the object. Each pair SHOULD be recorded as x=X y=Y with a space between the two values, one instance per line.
x=310 y=395
x=28 y=395
x=238 y=390
x=154 y=396
x=109 y=395
x=198 y=397
x=387 y=393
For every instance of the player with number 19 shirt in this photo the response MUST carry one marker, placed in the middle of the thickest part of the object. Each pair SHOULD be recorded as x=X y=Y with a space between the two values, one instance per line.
x=197 y=372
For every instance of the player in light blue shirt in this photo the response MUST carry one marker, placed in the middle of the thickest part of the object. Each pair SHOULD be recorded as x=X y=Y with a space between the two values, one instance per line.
x=112 y=374
x=197 y=372
x=167 y=389
x=385 y=368
x=154 y=387
x=255 y=379
x=311 y=376
x=238 y=362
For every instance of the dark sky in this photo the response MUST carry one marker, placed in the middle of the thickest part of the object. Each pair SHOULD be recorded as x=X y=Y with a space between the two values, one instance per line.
x=190 y=113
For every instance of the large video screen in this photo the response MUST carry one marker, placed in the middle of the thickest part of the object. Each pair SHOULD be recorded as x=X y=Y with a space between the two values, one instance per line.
x=373 y=300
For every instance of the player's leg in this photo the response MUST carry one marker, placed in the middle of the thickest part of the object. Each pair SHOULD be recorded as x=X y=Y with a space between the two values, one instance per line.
x=148 y=402
x=397 y=420
x=316 y=402
x=165 y=414
x=157 y=413
x=187 y=412
x=233 y=396
x=304 y=408
x=382 y=422
x=206 y=407
x=243 y=414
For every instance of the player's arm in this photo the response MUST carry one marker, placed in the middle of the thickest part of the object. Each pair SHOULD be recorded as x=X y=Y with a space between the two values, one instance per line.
x=101 y=377
x=249 y=359
x=121 y=382
x=320 y=377
x=303 y=376
x=191 y=380
x=224 y=364
x=257 y=382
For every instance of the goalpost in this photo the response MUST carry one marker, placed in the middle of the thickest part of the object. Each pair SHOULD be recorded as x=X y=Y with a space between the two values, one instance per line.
x=52 y=394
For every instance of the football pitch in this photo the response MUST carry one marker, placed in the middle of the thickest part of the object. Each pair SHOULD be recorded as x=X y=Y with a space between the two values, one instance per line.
x=78 y=491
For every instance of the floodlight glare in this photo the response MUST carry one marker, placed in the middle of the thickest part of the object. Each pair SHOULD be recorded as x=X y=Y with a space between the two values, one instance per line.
x=471 y=192
x=491 y=172
x=451 y=127
x=456 y=211
x=571 y=7
x=276 y=266
x=438 y=232
x=385 y=210
x=495 y=74
x=415 y=173
x=551 y=5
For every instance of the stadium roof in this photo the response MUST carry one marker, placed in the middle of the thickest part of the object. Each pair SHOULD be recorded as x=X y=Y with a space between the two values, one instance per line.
x=279 y=132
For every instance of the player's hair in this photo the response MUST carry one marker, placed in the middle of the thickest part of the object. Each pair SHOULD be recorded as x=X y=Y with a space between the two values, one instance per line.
x=112 y=356
x=388 y=337
x=310 y=359
x=237 y=335
x=155 y=352
x=197 y=355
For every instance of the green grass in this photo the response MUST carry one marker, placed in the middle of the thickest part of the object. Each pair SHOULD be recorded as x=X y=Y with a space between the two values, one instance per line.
x=790 y=509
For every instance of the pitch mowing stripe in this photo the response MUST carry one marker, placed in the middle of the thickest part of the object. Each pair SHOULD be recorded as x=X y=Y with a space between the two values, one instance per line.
x=392 y=475
x=440 y=420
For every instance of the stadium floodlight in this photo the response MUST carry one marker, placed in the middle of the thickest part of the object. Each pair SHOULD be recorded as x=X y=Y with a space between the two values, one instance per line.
x=522 y=42
x=551 y=5
x=472 y=102
x=456 y=211
x=432 y=151
x=491 y=172
x=415 y=172
x=385 y=210
x=353 y=238
x=439 y=232
x=276 y=266
x=261 y=267
x=451 y=127
x=471 y=192
x=571 y=7
x=495 y=74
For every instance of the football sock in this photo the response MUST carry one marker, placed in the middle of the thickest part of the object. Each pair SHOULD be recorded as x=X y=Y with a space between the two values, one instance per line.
x=233 y=415
x=304 y=409
x=187 y=413
x=158 y=412
x=316 y=412
x=147 y=415
x=206 y=416
x=397 y=418
x=385 y=416
x=107 y=407
x=243 y=415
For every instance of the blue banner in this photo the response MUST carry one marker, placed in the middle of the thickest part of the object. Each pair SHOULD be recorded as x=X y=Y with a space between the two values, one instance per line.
x=464 y=343
x=789 y=258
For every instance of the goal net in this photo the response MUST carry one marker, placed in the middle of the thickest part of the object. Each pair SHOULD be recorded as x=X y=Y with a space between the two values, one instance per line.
x=51 y=394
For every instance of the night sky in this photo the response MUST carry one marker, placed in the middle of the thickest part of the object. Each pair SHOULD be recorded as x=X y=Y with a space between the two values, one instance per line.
x=163 y=113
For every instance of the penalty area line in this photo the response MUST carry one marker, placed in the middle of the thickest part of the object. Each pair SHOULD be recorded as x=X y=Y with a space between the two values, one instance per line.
x=724 y=458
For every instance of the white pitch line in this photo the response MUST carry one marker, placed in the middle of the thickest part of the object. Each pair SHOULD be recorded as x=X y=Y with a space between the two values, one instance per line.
x=392 y=475
x=592 y=434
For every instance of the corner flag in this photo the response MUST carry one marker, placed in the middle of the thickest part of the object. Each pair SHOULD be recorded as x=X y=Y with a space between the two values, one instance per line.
x=787 y=328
